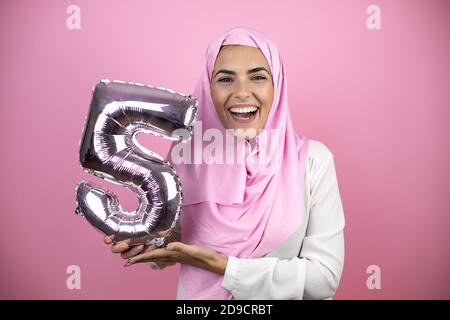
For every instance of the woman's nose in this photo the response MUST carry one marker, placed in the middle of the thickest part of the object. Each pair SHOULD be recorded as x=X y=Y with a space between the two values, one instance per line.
x=242 y=91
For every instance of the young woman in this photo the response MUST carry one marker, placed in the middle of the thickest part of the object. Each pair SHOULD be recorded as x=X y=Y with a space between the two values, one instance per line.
x=253 y=229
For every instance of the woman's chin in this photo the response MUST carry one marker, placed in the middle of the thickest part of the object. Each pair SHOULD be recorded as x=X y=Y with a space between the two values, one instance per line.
x=244 y=133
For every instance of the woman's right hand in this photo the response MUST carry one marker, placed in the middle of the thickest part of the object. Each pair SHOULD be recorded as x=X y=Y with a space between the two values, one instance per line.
x=123 y=248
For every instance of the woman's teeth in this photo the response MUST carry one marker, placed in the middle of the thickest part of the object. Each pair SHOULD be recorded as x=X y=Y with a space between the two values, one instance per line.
x=247 y=113
x=244 y=110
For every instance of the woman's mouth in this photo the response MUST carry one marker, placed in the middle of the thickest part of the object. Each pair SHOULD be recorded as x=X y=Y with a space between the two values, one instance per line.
x=244 y=114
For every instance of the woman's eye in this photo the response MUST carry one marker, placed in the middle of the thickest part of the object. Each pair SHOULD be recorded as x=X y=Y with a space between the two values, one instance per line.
x=226 y=79
x=259 y=78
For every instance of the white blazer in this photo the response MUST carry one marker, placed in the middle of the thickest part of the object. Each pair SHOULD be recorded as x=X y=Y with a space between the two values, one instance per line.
x=309 y=264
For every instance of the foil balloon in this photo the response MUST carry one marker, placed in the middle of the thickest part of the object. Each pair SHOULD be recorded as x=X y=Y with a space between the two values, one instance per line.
x=109 y=150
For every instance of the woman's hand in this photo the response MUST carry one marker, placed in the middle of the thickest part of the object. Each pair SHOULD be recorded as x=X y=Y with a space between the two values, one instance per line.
x=197 y=256
x=126 y=252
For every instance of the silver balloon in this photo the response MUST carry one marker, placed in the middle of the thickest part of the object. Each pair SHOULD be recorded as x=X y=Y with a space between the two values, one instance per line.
x=109 y=150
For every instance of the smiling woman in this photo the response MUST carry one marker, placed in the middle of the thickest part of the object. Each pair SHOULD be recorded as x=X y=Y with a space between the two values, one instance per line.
x=251 y=229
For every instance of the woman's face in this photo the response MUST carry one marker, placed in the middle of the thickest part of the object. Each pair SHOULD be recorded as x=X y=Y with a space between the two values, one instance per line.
x=242 y=88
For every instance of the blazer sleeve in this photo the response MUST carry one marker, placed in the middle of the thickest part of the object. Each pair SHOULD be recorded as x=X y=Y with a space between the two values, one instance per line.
x=315 y=273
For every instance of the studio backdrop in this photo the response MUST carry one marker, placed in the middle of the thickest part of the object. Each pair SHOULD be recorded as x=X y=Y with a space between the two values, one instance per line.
x=369 y=79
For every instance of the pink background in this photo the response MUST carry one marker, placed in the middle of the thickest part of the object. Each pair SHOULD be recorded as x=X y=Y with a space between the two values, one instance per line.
x=379 y=99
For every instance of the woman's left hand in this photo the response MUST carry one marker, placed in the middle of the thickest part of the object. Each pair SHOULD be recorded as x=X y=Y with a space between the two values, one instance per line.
x=197 y=256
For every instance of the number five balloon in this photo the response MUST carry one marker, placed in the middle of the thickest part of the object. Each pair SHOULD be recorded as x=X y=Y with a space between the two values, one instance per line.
x=109 y=150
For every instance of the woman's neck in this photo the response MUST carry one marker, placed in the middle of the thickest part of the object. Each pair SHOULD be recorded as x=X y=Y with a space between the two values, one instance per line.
x=252 y=143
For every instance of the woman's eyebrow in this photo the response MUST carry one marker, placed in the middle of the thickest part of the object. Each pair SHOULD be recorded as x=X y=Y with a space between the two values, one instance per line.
x=249 y=71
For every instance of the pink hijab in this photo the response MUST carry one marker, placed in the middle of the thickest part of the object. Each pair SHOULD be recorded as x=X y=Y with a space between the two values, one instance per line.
x=244 y=209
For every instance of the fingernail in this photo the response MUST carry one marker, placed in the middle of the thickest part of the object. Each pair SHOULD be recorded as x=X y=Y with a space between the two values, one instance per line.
x=129 y=263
